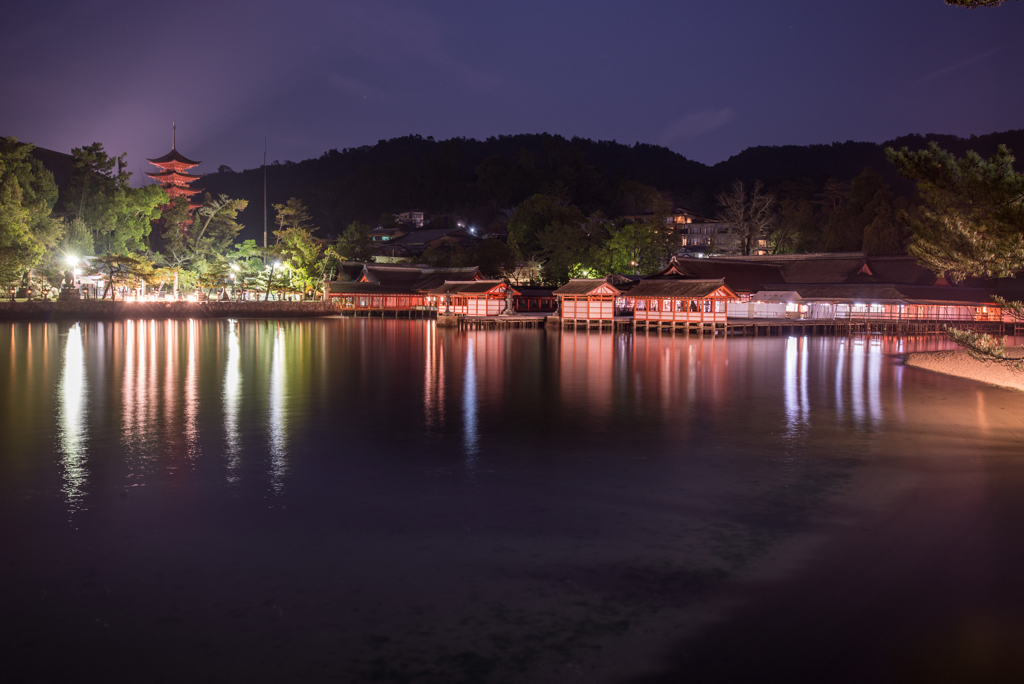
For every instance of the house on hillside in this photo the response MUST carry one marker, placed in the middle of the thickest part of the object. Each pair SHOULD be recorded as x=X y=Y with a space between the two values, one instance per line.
x=678 y=217
x=378 y=235
x=412 y=219
x=409 y=247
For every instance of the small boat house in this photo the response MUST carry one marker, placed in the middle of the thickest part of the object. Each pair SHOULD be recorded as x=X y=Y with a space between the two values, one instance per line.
x=587 y=299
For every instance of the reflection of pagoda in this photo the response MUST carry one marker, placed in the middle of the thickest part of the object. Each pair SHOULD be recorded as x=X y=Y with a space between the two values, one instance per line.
x=172 y=177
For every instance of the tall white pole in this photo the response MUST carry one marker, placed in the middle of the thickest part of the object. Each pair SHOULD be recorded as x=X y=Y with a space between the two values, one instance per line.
x=264 y=192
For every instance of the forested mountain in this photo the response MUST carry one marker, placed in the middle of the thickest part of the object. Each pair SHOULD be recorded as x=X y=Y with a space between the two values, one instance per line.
x=844 y=161
x=479 y=180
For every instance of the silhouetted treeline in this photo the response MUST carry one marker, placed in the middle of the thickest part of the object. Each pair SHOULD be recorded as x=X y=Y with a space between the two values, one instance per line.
x=480 y=181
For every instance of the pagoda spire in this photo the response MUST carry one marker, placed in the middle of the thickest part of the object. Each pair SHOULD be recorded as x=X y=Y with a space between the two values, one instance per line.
x=174 y=135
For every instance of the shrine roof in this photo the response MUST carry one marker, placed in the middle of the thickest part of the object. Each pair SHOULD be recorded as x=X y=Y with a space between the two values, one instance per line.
x=687 y=289
x=584 y=286
x=416 y=278
x=469 y=287
x=740 y=276
x=349 y=287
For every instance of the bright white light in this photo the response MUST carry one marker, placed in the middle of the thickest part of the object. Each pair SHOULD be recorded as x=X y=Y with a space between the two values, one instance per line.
x=72 y=260
x=73 y=409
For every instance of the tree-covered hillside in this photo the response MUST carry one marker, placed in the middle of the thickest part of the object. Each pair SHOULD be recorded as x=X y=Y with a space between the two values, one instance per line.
x=480 y=181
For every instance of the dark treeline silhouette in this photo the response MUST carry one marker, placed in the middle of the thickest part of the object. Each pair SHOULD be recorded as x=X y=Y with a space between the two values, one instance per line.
x=479 y=181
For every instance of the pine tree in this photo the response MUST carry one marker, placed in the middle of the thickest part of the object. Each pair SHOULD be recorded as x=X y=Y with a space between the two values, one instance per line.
x=971 y=224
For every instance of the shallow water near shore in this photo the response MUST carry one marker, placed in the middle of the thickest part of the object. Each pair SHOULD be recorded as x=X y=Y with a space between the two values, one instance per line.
x=385 y=501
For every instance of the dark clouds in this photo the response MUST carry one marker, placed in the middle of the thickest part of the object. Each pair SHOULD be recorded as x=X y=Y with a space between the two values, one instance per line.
x=706 y=79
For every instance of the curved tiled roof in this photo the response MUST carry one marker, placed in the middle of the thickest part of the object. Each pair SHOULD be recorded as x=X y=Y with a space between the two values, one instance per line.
x=740 y=276
x=168 y=174
x=173 y=157
x=416 y=278
x=680 y=287
x=469 y=287
x=584 y=286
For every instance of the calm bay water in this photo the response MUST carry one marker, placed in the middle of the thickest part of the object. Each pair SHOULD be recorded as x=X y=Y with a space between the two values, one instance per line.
x=353 y=500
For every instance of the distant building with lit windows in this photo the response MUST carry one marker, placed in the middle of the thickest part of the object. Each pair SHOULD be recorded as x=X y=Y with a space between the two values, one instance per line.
x=701 y=236
x=412 y=218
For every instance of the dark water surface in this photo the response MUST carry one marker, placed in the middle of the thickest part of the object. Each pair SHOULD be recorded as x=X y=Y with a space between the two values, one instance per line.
x=382 y=501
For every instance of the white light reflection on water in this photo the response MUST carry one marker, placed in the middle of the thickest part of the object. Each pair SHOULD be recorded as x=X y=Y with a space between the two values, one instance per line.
x=861 y=361
x=857 y=353
x=278 y=434
x=795 y=387
x=433 y=380
x=72 y=409
x=231 y=396
x=128 y=383
x=840 y=368
x=171 y=380
x=874 y=352
x=139 y=399
x=192 y=391
x=469 y=407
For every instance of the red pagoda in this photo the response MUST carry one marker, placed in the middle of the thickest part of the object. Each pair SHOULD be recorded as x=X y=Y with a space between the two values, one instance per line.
x=172 y=176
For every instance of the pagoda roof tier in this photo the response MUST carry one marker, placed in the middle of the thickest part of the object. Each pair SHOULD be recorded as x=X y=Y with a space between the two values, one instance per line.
x=176 y=190
x=173 y=158
x=172 y=176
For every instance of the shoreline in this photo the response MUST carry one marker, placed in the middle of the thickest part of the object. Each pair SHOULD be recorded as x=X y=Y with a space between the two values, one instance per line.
x=958 y=363
x=94 y=310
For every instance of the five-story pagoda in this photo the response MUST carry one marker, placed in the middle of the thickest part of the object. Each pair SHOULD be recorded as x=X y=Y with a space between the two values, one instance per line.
x=172 y=176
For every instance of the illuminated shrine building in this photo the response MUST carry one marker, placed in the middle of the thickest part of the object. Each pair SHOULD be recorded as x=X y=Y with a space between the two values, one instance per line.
x=172 y=176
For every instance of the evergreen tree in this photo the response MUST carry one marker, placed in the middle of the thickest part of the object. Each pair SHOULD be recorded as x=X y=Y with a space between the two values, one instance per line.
x=216 y=225
x=972 y=221
x=971 y=224
x=974 y=4
x=293 y=214
x=533 y=216
x=100 y=195
x=355 y=244
x=27 y=196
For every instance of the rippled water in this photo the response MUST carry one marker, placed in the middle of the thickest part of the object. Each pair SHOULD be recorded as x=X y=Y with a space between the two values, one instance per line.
x=364 y=500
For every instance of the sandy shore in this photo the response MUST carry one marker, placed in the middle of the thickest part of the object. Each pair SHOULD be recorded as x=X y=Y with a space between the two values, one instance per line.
x=959 y=363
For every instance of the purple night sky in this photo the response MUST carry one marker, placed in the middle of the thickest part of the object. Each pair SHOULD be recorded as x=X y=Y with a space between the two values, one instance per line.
x=706 y=79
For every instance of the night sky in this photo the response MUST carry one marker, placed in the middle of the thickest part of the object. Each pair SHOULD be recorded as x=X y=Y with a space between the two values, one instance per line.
x=706 y=79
